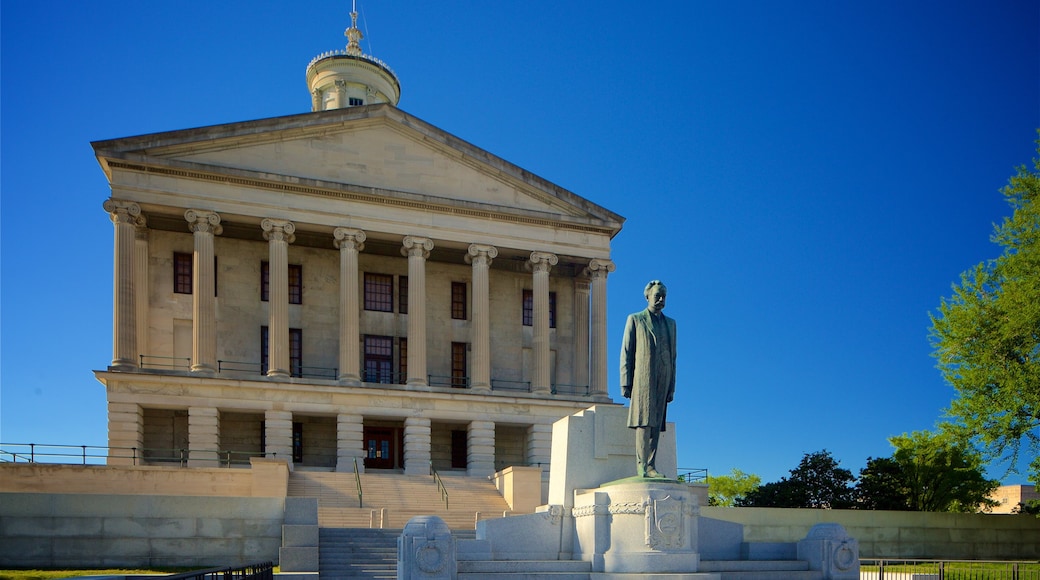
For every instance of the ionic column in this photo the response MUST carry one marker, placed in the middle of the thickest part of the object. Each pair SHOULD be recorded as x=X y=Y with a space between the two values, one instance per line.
x=278 y=434
x=581 y=331
x=203 y=437
x=350 y=242
x=416 y=440
x=480 y=449
x=480 y=256
x=141 y=284
x=417 y=249
x=204 y=225
x=598 y=270
x=540 y=264
x=125 y=433
x=124 y=216
x=279 y=234
x=350 y=444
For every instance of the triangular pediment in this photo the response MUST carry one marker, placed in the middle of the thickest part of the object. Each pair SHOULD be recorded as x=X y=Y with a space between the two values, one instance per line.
x=378 y=148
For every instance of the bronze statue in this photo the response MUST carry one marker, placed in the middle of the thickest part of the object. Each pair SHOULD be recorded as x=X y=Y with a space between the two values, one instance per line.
x=648 y=374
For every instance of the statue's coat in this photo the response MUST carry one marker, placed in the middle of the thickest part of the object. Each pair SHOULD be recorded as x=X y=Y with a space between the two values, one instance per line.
x=651 y=392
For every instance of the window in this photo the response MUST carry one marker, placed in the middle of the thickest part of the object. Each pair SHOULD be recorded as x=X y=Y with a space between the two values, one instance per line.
x=458 y=300
x=354 y=101
x=379 y=292
x=379 y=355
x=529 y=309
x=402 y=294
x=295 y=351
x=459 y=380
x=295 y=282
x=402 y=360
x=184 y=275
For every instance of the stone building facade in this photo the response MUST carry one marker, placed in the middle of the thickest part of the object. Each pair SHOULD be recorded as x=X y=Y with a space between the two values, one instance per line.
x=349 y=284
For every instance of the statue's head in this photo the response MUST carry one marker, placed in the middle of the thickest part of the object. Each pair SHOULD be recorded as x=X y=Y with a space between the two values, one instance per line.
x=655 y=293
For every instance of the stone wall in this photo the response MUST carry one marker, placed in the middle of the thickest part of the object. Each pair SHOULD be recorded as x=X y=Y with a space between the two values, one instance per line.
x=893 y=534
x=39 y=530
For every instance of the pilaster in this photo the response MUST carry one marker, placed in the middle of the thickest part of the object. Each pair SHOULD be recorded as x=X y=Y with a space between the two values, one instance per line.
x=350 y=443
x=278 y=434
x=480 y=256
x=416 y=443
x=540 y=264
x=203 y=437
x=279 y=234
x=581 y=331
x=124 y=216
x=141 y=284
x=480 y=449
x=125 y=433
x=417 y=250
x=350 y=242
x=204 y=225
x=598 y=270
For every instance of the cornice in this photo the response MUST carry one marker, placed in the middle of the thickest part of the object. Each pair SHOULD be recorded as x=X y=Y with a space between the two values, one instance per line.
x=376 y=197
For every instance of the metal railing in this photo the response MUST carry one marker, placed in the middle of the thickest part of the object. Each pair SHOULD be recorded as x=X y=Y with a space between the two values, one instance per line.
x=99 y=455
x=448 y=381
x=357 y=479
x=504 y=385
x=885 y=569
x=440 y=485
x=239 y=366
x=571 y=390
x=383 y=377
x=151 y=361
x=262 y=571
x=692 y=474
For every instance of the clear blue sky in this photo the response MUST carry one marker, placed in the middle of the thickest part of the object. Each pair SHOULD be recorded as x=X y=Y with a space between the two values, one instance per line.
x=808 y=178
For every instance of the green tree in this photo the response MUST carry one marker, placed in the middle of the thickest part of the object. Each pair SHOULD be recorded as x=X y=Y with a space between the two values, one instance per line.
x=724 y=490
x=987 y=336
x=927 y=472
x=817 y=482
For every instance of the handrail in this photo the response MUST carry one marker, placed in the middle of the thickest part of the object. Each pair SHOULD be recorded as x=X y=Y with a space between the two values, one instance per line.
x=262 y=571
x=357 y=478
x=693 y=474
x=440 y=485
x=99 y=455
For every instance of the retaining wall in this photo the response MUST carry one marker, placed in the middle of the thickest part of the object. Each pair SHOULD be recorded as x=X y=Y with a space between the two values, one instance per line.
x=100 y=531
x=895 y=534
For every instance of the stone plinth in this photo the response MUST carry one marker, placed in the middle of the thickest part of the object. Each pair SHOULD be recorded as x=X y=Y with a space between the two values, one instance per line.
x=637 y=528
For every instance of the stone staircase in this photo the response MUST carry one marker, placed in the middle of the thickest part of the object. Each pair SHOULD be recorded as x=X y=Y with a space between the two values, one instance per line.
x=348 y=553
x=391 y=499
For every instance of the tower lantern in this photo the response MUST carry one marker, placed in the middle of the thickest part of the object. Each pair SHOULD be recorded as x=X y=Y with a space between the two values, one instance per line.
x=348 y=78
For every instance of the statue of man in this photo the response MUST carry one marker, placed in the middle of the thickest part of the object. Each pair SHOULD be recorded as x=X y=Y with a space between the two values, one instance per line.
x=648 y=374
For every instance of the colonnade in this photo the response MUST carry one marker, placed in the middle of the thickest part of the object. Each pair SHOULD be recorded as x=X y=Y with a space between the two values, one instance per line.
x=590 y=359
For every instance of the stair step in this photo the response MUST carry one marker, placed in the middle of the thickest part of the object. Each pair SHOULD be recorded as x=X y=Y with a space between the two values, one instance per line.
x=523 y=566
x=752 y=565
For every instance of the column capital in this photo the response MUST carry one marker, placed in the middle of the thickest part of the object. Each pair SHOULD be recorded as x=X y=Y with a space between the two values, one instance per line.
x=600 y=268
x=542 y=261
x=349 y=238
x=478 y=252
x=121 y=211
x=278 y=230
x=416 y=246
x=200 y=220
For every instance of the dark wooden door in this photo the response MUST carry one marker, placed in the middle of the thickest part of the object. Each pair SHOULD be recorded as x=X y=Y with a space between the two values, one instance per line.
x=380 y=448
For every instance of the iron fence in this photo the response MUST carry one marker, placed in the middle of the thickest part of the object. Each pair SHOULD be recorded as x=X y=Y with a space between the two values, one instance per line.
x=99 y=455
x=262 y=571
x=885 y=569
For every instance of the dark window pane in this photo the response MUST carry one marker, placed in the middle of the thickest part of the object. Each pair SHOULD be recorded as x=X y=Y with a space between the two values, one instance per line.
x=458 y=300
x=379 y=292
x=182 y=273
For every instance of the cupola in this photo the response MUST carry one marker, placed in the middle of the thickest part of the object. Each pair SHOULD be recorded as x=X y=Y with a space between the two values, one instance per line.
x=348 y=78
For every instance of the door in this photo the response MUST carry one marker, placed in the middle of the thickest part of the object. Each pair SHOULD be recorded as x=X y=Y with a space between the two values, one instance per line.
x=458 y=449
x=380 y=448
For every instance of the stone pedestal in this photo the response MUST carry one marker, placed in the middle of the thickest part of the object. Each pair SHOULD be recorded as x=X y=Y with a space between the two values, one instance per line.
x=636 y=527
x=426 y=550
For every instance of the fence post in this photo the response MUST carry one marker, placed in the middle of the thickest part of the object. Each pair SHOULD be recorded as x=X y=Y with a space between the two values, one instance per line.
x=84 y=454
